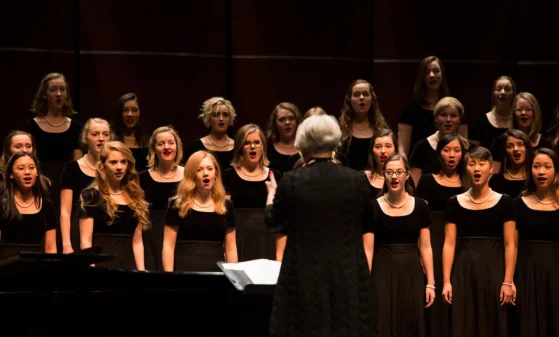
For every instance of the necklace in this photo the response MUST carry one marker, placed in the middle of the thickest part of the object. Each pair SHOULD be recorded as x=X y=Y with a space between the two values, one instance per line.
x=447 y=179
x=372 y=176
x=500 y=117
x=197 y=204
x=285 y=146
x=115 y=193
x=393 y=206
x=23 y=206
x=86 y=163
x=479 y=202
x=358 y=128
x=128 y=137
x=542 y=202
x=162 y=176
x=221 y=146
x=251 y=175
x=516 y=177
x=55 y=125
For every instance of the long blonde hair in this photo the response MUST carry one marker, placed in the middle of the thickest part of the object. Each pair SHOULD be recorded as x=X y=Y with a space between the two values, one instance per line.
x=130 y=183
x=187 y=187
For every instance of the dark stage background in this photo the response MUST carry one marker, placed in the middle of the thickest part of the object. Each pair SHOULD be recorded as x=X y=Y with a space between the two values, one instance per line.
x=176 y=54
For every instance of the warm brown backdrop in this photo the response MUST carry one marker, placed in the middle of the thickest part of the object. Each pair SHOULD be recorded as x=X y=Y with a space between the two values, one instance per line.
x=175 y=54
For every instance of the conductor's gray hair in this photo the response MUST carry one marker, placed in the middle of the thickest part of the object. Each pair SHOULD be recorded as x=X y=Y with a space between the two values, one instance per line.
x=318 y=134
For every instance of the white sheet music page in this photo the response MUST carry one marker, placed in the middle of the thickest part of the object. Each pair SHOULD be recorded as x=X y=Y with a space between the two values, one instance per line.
x=261 y=271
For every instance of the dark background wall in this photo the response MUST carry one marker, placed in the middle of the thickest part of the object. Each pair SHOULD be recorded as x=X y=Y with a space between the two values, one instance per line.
x=176 y=54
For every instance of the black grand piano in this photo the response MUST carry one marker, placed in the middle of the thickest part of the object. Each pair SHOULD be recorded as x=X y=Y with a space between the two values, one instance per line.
x=60 y=295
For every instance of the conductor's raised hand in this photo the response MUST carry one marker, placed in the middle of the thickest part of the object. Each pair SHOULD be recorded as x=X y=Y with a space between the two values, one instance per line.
x=271 y=185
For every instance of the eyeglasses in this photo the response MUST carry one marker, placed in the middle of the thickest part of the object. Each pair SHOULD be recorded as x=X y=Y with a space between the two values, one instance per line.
x=256 y=143
x=519 y=110
x=399 y=173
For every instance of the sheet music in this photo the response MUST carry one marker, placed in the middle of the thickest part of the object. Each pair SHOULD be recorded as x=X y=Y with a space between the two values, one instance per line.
x=261 y=271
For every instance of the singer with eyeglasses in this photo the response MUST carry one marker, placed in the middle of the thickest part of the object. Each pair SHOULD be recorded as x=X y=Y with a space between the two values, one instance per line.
x=478 y=272
x=404 y=290
x=527 y=117
x=244 y=182
x=245 y=185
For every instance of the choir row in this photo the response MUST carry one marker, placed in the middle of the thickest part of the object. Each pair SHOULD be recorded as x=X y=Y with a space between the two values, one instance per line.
x=420 y=122
x=104 y=201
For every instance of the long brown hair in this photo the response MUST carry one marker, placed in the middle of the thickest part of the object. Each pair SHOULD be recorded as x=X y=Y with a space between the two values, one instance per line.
x=141 y=138
x=374 y=115
x=187 y=187
x=130 y=183
x=39 y=190
x=372 y=163
x=272 y=132
x=501 y=141
x=39 y=105
x=420 y=90
x=396 y=157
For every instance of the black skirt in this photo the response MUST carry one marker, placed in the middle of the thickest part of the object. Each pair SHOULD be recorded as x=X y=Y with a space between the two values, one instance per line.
x=537 y=280
x=119 y=245
x=400 y=290
x=477 y=277
x=198 y=256
x=153 y=240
